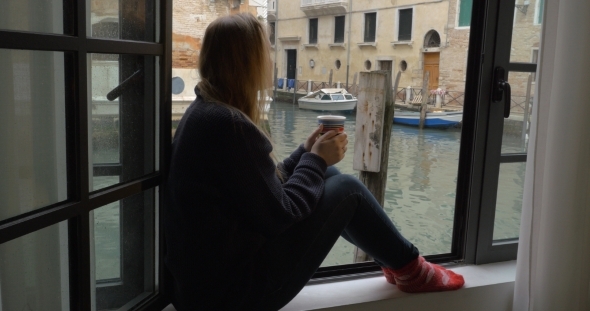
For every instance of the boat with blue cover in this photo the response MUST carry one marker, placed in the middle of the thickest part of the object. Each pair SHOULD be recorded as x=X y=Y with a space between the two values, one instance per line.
x=434 y=119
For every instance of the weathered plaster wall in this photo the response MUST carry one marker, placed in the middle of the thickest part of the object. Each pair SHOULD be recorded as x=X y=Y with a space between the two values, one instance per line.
x=293 y=22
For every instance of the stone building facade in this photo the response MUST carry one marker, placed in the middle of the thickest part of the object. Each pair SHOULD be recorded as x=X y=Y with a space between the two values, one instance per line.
x=438 y=42
x=525 y=47
x=387 y=50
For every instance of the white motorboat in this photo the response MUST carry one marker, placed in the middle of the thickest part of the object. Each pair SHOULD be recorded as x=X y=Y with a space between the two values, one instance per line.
x=328 y=100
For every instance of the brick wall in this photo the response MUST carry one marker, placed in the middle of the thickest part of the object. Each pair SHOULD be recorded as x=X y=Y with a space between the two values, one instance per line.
x=453 y=59
x=190 y=19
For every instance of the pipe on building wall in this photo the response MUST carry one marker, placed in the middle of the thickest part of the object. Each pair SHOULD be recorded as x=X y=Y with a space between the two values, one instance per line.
x=348 y=43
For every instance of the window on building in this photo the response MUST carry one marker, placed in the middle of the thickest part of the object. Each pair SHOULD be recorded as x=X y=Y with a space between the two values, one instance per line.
x=313 y=30
x=464 y=16
x=370 y=27
x=405 y=25
x=271 y=32
x=339 y=29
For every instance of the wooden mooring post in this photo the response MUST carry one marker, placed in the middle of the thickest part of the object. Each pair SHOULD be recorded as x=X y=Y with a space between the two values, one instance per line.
x=425 y=98
x=374 y=119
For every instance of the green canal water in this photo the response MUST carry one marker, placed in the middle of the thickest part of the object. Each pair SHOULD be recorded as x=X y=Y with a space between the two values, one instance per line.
x=420 y=190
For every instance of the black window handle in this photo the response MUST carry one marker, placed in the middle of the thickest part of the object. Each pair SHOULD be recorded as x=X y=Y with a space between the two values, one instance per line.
x=502 y=87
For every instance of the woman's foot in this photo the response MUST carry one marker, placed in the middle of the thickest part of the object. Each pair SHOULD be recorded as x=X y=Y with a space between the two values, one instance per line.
x=421 y=276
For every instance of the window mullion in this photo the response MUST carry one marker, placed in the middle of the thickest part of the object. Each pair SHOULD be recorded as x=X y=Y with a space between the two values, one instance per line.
x=79 y=227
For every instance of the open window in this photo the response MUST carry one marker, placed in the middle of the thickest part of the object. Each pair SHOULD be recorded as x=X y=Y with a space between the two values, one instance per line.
x=85 y=156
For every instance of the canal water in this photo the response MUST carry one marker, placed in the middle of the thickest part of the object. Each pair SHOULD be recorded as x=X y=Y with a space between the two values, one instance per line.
x=421 y=179
x=420 y=190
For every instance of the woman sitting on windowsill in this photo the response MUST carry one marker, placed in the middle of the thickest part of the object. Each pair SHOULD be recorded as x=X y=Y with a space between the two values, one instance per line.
x=245 y=233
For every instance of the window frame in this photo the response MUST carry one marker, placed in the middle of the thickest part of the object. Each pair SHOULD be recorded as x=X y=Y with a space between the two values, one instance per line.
x=81 y=201
x=468 y=210
x=398 y=24
x=365 y=26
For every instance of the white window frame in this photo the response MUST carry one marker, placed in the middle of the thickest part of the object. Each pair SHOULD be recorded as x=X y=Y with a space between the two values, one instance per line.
x=397 y=20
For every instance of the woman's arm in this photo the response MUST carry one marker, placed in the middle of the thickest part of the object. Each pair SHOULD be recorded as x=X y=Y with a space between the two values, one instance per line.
x=289 y=163
x=262 y=200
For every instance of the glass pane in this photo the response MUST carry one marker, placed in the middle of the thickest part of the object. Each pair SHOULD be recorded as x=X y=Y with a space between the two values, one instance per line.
x=421 y=182
x=122 y=115
x=516 y=128
x=526 y=32
x=125 y=19
x=35 y=16
x=34 y=271
x=107 y=235
x=32 y=131
x=509 y=200
x=124 y=252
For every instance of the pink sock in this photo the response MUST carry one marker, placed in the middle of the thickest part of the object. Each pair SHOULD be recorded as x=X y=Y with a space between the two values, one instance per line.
x=421 y=276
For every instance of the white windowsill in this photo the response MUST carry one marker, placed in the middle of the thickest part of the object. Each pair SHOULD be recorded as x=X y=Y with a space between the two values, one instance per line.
x=487 y=288
x=337 y=45
x=394 y=43
x=372 y=44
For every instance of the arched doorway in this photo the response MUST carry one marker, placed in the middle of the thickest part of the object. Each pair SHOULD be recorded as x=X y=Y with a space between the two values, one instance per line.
x=432 y=58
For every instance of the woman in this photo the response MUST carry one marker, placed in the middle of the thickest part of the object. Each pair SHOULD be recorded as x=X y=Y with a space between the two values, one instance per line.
x=246 y=233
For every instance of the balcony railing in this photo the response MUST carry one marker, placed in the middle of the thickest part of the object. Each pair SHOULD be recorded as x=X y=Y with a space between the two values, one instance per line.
x=319 y=2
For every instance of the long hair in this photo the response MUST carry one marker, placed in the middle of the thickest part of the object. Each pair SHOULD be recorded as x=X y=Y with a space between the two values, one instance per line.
x=235 y=65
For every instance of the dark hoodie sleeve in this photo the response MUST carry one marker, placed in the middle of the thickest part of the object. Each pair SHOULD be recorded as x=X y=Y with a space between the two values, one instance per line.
x=260 y=197
x=289 y=164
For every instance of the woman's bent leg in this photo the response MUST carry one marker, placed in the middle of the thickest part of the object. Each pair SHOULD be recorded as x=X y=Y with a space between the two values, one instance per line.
x=346 y=207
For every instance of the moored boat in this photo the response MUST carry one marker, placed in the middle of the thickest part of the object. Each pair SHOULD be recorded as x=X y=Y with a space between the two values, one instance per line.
x=328 y=100
x=434 y=119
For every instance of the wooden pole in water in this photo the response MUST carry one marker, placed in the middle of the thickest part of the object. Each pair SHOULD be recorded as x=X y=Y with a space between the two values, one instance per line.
x=294 y=91
x=330 y=79
x=374 y=126
x=354 y=84
x=425 y=98
x=276 y=81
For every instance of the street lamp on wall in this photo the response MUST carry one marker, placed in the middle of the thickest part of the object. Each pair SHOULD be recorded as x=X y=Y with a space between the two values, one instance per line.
x=311 y=63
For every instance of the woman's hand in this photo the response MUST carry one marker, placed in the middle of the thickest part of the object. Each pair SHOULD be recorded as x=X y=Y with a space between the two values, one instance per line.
x=331 y=147
x=312 y=138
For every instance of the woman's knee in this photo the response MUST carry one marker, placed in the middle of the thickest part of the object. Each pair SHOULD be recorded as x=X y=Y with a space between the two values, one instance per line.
x=345 y=184
x=331 y=171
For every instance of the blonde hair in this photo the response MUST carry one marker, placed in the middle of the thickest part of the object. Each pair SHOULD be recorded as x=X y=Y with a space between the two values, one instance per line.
x=235 y=64
x=235 y=67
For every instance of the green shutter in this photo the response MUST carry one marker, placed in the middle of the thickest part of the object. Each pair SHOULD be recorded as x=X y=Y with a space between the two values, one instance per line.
x=465 y=13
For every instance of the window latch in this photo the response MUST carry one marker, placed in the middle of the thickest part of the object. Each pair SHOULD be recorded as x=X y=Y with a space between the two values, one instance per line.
x=501 y=87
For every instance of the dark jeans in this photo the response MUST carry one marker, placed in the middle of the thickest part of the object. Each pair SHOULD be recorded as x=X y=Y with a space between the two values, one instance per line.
x=346 y=209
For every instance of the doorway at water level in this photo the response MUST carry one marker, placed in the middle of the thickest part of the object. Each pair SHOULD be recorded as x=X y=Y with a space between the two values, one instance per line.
x=431 y=64
x=291 y=63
